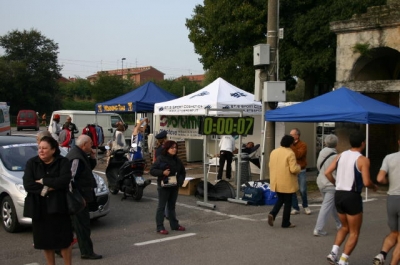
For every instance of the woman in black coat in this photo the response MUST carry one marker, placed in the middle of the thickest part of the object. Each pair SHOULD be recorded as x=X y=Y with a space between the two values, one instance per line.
x=168 y=164
x=46 y=179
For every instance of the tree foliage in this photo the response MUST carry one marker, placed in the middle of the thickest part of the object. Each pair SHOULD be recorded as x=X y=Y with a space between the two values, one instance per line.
x=179 y=87
x=224 y=33
x=29 y=71
x=107 y=87
x=79 y=89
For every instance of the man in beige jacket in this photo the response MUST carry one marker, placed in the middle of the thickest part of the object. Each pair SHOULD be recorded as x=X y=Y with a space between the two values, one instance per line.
x=283 y=170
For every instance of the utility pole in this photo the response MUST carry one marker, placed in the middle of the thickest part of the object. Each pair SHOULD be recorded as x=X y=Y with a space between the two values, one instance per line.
x=272 y=39
x=122 y=71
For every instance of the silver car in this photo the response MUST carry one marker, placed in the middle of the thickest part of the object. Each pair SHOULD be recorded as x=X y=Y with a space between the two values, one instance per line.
x=14 y=153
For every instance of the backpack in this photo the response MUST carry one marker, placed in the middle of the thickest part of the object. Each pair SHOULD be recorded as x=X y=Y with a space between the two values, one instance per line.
x=67 y=141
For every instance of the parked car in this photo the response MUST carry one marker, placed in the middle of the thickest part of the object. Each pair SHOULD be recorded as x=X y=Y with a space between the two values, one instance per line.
x=14 y=153
x=27 y=119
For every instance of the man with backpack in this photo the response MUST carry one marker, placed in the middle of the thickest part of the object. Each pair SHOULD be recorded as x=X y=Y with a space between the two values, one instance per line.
x=65 y=137
x=73 y=129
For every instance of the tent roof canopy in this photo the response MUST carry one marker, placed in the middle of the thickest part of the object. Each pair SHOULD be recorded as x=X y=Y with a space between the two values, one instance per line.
x=218 y=95
x=141 y=99
x=341 y=105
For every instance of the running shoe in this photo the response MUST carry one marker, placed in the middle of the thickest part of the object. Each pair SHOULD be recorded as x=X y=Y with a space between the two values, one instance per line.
x=378 y=260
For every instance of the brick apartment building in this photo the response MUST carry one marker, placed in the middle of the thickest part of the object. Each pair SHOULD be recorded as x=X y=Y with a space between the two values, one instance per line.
x=139 y=75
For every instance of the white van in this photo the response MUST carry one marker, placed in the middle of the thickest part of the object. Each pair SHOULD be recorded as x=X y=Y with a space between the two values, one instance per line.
x=5 y=127
x=82 y=118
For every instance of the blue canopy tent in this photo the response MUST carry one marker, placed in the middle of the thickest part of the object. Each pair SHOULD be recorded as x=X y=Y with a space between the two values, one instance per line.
x=141 y=99
x=340 y=105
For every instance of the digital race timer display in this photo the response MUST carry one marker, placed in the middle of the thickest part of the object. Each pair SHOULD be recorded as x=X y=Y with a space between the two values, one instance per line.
x=226 y=125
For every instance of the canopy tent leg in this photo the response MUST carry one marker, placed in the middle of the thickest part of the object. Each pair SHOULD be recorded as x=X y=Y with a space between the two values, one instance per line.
x=205 y=173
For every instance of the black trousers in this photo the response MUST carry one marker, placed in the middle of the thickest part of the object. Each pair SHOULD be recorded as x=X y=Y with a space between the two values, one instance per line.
x=167 y=197
x=283 y=198
x=81 y=224
x=225 y=156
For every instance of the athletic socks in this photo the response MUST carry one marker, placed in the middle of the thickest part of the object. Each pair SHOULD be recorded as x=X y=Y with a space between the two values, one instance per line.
x=343 y=259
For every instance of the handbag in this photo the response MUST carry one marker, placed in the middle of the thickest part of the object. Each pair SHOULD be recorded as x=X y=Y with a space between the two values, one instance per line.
x=31 y=204
x=253 y=195
x=169 y=182
x=75 y=200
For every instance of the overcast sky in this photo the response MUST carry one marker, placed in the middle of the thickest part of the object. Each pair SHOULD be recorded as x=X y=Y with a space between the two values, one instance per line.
x=94 y=35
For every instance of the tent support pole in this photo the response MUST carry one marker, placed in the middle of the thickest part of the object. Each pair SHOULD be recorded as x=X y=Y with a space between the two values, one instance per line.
x=366 y=153
x=205 y=174
x=262 y=163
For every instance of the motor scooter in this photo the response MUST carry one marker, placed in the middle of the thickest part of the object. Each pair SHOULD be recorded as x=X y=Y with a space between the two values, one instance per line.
x=125 y=175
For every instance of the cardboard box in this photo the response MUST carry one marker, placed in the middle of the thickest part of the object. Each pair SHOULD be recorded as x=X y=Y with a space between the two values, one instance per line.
x=189 y=186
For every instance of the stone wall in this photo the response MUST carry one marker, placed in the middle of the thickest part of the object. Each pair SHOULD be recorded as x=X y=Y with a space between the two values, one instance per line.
x=379 y=27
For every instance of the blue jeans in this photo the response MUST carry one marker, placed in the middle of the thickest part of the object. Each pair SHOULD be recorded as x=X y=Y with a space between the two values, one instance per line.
x=302 y=178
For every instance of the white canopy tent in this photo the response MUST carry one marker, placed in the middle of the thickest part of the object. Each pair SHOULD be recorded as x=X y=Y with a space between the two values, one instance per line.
x=212 y=100
x=218 y=95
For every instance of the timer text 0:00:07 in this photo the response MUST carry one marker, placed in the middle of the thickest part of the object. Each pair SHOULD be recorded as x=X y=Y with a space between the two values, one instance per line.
x=227 y=125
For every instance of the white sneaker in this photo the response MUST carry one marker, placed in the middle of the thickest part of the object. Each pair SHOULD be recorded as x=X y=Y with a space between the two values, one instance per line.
x=332 y=258
x=307 y=211
x=217 y=180
x=319 y=232
x=294 y=212
x=378 y=260
x=342 y=262
x=338 y=227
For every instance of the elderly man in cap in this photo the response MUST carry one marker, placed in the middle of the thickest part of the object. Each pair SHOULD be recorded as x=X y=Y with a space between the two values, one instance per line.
x=161 y=138
x=55 y=126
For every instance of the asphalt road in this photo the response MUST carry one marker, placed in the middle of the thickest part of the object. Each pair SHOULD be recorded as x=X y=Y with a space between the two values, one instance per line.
x=230 y=234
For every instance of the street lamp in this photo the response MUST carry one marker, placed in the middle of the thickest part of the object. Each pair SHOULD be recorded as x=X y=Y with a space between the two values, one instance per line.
x=122 y=72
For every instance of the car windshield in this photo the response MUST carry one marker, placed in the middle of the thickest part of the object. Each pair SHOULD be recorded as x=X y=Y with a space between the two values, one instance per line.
x=14 y=157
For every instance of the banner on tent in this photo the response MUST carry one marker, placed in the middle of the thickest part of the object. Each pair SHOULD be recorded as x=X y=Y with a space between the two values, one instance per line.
x=181 y=126
x=115 y=108
x=199 y=109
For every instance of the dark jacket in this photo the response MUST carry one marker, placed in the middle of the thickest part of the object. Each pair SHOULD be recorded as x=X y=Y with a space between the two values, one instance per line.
x=72 y=127
x=84 y=179
x=56 y=176
x=173 y=163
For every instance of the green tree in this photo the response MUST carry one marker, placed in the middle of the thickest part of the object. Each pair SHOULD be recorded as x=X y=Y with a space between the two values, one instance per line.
x=179 y=87
x=308 y=50
x=107 y=87
x=224 y=33
x=29 y=71
x=80 y=89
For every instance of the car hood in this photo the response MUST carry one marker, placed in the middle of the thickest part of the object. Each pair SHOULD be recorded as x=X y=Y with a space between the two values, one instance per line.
x=12 y=176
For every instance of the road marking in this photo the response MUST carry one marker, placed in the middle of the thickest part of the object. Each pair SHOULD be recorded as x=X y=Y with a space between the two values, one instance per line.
x=207 y=210
x=164 y=239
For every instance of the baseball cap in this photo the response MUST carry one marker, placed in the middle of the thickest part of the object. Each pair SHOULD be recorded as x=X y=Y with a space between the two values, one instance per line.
x=161 y=135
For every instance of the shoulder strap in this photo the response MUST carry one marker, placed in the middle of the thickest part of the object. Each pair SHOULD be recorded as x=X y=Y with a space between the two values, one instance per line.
x=326 y=158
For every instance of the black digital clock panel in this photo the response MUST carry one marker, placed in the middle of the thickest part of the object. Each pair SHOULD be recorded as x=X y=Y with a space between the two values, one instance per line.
x=212 y=125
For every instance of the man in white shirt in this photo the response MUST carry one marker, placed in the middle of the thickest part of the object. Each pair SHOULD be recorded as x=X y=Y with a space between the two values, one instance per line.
x=227 y=149
x=389 y=174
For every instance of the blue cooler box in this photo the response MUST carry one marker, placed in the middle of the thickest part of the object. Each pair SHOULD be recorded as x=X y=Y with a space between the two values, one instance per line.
x=270 y=197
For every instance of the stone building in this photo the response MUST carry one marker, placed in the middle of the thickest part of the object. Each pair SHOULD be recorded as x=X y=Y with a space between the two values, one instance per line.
x=368 y=61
